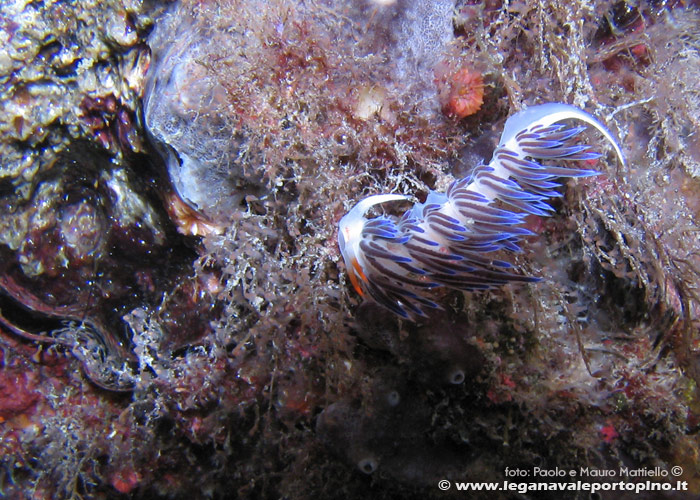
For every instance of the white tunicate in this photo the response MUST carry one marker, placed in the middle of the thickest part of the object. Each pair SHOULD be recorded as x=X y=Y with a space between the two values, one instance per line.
x=456 y=376
x=393 y=398
x=368 y=465
x=426 y=30
x=183 y=113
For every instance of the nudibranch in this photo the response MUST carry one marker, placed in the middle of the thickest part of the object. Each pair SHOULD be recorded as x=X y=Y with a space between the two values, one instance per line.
x=449 y=240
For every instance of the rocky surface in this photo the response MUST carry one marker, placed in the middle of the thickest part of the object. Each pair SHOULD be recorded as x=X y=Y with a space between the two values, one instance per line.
x=176 y=319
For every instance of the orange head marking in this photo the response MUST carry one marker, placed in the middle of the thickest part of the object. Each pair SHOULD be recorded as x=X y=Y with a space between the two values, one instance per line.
x=354 y=273
x=350 y=233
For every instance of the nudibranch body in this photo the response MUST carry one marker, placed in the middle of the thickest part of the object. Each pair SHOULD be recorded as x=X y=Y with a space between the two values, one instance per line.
x=448 y=240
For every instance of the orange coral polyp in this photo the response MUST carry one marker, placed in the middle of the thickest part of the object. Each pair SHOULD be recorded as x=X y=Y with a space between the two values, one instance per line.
x=466 y=95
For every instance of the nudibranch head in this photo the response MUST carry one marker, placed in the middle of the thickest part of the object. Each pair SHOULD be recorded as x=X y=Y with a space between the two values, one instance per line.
x=544 y=115
x=350 y=230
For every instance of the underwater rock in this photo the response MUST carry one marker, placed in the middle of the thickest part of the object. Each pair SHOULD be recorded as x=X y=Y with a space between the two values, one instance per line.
x=221 y=95
x=187 y=113
x=250 y=370
x=86 y=246
x=83 y=230
x=387 y=433
x=53 y=63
